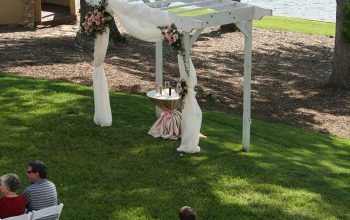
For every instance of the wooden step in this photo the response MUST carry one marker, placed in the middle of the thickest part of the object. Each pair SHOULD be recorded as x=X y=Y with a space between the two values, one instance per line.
x=70 y=19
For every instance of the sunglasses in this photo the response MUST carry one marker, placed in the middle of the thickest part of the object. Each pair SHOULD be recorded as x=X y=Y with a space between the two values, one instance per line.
x=30 y=171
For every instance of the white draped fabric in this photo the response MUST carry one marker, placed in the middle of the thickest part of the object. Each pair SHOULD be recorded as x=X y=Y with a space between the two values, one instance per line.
x=191 y=113
x=142 y=22
x=103 y=114
x=138 y=19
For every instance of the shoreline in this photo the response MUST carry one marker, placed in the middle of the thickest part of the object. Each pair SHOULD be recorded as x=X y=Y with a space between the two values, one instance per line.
x=304 y=10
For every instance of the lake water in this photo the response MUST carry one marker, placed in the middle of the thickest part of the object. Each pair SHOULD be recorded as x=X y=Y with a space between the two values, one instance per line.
x=323 y=10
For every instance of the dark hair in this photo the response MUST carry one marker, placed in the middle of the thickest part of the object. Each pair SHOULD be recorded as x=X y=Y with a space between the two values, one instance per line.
x=40 y=167
x=11 y=182
x=187 y=213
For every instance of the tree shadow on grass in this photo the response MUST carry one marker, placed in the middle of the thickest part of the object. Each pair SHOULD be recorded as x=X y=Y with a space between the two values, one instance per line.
x=283 y=161
x=120 y=172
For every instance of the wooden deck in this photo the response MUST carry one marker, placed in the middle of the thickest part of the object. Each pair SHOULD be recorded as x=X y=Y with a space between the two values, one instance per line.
x=56 y=14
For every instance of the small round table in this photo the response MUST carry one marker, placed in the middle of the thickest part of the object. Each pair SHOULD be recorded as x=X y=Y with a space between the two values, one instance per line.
x=168 y=125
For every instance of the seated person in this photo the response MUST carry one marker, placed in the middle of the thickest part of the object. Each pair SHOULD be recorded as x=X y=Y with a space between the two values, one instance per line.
x=11 y=204
x=42 y=192
x=187 y=213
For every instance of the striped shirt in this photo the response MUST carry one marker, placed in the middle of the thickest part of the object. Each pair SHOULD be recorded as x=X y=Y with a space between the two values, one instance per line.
x=41 y=194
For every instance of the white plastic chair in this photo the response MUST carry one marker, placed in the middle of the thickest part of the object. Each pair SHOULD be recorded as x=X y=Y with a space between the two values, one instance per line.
x=19 y=217
x=52 y=211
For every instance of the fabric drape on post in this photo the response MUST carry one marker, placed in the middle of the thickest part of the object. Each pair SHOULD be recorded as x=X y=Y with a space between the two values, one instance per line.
x=191 y=113
x=103 y=114
x=141 y=22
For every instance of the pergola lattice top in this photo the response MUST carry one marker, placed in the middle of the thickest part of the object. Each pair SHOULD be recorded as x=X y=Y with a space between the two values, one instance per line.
x=199 y=14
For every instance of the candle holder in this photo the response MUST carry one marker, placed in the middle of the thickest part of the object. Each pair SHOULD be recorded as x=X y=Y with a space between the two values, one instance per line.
x=166 y=87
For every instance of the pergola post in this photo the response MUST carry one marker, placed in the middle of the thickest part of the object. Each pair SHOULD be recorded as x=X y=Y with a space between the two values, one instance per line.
x=247 y=85
x=159 y=68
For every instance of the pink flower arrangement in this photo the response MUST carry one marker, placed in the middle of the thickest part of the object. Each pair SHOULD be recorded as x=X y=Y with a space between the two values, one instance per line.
x=96 y=21
x=172 y=36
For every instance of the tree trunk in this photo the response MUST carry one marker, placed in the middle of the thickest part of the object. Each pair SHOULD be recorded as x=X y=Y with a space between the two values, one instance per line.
x=86 y=41
x=115 y=35
x=340 y=76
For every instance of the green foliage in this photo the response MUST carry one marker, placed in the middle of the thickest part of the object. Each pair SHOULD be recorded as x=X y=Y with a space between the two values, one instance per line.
x=346 y=23
x=296 y=25
x=120 y=172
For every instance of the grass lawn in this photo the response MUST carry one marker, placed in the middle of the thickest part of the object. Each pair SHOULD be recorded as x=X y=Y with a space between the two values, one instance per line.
x=120 y=172
x=296 y=25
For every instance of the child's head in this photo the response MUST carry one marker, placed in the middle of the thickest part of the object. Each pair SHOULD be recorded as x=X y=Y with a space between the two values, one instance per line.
x=9 y=183
x=187 y=213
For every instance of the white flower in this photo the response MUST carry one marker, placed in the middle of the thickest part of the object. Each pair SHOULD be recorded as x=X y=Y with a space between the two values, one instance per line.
x=175 y=37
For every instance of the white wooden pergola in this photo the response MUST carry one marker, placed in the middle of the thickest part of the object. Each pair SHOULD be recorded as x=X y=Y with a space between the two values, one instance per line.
x=192 y=16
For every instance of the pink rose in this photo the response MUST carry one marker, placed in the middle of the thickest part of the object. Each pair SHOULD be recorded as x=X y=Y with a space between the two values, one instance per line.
x=169 y=37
